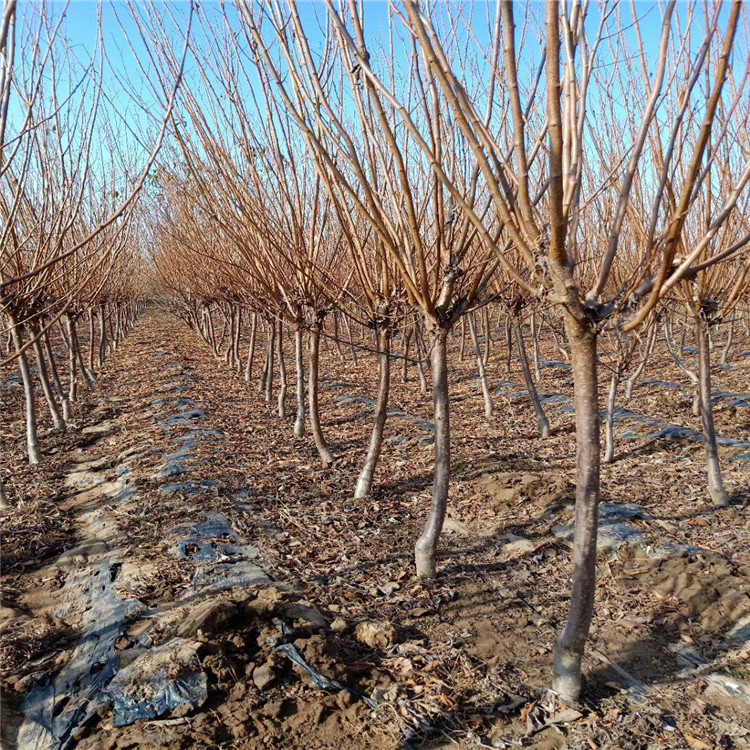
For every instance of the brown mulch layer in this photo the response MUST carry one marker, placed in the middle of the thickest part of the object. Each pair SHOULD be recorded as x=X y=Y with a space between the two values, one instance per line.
x=467 y=657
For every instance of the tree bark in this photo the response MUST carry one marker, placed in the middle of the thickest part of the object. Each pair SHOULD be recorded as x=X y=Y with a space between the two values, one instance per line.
x=72 y=364
x=727 y=344
x=508 y=344
x=405 y=364
x=570 y=643
x=49 y=395
x=364 y=482
x=542 y=420
x=312 y=396
x=425 y=549
x=271 y=351
x=102 y=335
x=67 y=415
x=535 y=349
x=487 y=337
x=299 y=422
x=282 y=373
x=609 y=424
x=4 y=504
x=481 y=368
x=32 y=444
x=92 y=338
x=418 y=344
x=251 y=349
x=236 y=347
x=88 y=377
x=715 y=482
x=351 y=340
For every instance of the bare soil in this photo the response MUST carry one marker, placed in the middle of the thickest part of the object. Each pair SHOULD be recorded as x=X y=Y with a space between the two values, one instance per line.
x=462 y=661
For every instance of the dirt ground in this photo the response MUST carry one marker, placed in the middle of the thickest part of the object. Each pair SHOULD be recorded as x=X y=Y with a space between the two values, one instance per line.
x=229 y=551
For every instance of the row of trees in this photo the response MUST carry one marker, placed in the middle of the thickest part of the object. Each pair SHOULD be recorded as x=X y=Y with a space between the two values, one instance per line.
x=70 y=232
x=407 y=169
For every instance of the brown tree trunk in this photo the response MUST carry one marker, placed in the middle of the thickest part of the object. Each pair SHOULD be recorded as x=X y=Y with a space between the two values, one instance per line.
x=299 y=422
x=609 y=424
x=264 y=370
x=535 y=348
x=251 y=348
x=508 y=344
x=49 y=395
x=312 y=396
x=542 y=420
x=67 y=415
x=92 y=338
x=364 y=482
x=570 y=643
x=4 y=504
x=419 y=346
x=336 y=335
x=102 y=335
x=405 y=364
x=728 y=344
x=237 y=358
x=271 y=351
x=351 y=340
x=282 y=373
x=487 y=337
x=481 y=368
x=715 y=482
x=88 y=377
x=72 y=374
x=425 y=549
x=631 y=381
x=32 y=444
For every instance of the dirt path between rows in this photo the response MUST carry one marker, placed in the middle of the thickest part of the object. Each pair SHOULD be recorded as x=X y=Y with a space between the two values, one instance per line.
x=219 y=588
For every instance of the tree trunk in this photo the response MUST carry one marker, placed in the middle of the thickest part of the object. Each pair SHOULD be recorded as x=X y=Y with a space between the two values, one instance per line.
x=236 y=347
x=609 y=424
x=715 y=483
x=364 y=482
x=92 y=338
x=264 y=370
x=487 y=337
x=351 y=340
x=49 y=395
x=405 y=364
x=4 y=504
x=88 y=375
x=299 y=422
x=425 y=549
x=570 y=643
x=728 y=344
x=102 y=336
x=251 y=349
x=530 y=387
x=312 y=396
x=72 y=375
x=650 y=342
x=508 y=344
x=336 y=335
x=271 y=351
x=462 y=347
x=67 y=415
x=32 y=444
x=418 y=344
x=282 y=373
x=535 y=349
x=481 y=368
